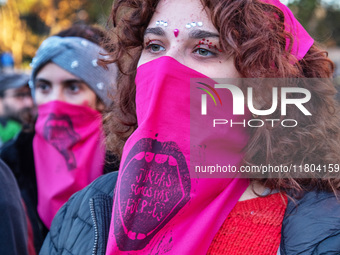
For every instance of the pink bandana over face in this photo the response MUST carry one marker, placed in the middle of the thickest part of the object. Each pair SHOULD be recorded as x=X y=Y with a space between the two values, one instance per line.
x=157 y=207
x=302 y=41
x=68 y=153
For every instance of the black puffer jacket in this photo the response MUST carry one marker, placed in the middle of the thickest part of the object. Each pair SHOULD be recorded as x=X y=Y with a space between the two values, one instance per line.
x=13 y=226
x=312 y=225
x=18 y=155
x=82 y=224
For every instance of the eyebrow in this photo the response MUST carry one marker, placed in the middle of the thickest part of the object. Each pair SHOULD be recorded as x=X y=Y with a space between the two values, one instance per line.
x=198 y=33
x=42 y=80
x=155 y=30
x=68 y=81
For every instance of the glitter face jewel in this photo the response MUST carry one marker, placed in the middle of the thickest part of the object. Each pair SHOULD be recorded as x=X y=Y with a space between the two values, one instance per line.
x=194 y=24
x=176 y=32
x=161 y=23
x=209 y=44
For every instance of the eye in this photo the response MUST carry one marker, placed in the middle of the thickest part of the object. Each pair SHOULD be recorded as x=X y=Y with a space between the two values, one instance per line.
x=204 y=52
x=154 y=47
x=43 y=87
x=74 y=87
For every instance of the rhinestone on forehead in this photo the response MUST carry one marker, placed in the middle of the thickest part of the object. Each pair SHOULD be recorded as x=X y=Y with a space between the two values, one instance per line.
x=194 y=24
x=161 y=23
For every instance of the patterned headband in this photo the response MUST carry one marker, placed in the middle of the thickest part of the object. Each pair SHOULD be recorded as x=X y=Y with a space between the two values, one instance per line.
x=79 y=57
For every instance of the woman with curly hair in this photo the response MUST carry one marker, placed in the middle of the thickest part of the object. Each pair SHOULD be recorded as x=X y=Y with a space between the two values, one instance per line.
x=156 y=205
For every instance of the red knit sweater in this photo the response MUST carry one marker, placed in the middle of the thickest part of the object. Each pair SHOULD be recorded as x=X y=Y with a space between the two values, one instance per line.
x=252 y=227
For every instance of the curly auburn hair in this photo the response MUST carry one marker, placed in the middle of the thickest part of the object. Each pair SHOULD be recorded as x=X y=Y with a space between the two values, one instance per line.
x=251 y=32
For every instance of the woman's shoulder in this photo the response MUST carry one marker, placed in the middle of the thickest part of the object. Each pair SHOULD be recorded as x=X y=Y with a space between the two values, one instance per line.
x=78 y=205
x=312 y=224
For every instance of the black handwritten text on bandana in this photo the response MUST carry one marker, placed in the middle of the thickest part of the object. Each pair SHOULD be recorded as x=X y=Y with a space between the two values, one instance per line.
x=155 y=185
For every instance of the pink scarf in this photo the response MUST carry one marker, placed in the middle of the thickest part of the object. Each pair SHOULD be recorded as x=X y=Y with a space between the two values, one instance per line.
x=68 y=153
x=158 y=208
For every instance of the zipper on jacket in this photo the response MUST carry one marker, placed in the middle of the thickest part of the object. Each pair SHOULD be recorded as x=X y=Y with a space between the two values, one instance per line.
x=93 y=216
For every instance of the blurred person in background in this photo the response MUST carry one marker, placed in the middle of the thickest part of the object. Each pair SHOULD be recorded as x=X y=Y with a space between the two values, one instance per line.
x=16 y=104
x=14 y=231
x=66 y=150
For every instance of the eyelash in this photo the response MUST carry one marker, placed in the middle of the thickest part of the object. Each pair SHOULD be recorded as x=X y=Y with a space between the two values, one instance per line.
x=41 y=85
x=213 y=54
x=149 y=43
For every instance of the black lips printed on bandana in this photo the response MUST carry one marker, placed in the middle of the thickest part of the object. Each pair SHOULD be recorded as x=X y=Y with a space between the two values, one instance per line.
x=59 y=132
x=155 y=185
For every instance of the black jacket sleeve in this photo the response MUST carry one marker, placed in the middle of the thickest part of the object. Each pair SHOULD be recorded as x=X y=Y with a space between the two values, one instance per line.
x=13 y=225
